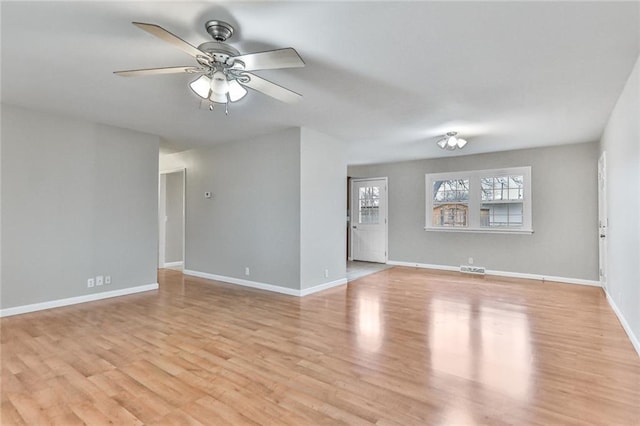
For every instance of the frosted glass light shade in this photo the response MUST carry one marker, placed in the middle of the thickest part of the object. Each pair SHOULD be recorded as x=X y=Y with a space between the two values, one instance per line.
x=201 y=86
x=236 y=91
x=219 y=83
x=217 y=88
x=451 y=142
x=220 y=98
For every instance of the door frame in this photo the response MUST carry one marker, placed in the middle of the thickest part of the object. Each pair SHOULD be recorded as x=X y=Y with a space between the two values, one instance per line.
x=162 y=212
x=352 y=214
x=603 y=220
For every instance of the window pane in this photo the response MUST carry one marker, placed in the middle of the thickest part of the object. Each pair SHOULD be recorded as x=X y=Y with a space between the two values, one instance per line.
x=487 y=188
x=516 y=187
x=502 y=188
x=450 y=198
x=369 y=205
x=495 y=215
x=451 y=190
x=515 y=214
x=450 y=215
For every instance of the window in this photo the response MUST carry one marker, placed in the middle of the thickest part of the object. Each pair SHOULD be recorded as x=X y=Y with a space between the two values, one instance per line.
x=369 y=205
x=496 y=200
x=502 y=201
x=451 y=202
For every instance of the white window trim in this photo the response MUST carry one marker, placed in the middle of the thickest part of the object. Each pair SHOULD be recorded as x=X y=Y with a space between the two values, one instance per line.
x=475 y=200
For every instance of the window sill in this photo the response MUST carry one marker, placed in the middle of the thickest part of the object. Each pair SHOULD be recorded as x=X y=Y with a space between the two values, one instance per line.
x=482 y=230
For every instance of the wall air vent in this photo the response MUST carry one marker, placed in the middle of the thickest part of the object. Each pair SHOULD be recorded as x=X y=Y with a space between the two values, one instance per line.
x=469 y=269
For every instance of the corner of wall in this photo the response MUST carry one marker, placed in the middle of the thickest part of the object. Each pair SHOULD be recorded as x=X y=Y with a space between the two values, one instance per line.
x=322 y=210
x=621 y=142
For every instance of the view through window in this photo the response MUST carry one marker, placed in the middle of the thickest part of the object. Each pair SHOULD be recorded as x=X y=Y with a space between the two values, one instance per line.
x=497 y=200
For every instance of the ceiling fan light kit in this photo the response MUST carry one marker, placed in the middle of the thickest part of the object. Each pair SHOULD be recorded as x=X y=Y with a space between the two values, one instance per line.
x=225 y=74
x=201 y=86
x=451 y=142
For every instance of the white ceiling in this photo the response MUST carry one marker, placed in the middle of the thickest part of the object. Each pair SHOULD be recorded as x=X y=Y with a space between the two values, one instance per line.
x=384 y=77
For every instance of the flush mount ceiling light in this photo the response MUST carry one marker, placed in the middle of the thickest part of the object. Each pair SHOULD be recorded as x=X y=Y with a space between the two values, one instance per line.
x=451 y=142
x=224 y=71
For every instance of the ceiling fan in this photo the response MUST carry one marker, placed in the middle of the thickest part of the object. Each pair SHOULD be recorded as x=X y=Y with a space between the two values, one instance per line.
x=224 y=71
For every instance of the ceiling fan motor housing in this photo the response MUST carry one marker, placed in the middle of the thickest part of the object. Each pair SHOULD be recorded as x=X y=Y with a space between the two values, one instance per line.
x=221 y=52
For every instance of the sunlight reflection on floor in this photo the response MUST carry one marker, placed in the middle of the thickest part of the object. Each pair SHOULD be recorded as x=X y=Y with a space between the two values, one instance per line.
x=483 y=344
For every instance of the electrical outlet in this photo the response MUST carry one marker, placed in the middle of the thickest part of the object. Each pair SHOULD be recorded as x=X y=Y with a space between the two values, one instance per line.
x=471 y=261
x=99 y=280
x=107 y=279
x=326 y=273
x=246 y=271
x=91 y=282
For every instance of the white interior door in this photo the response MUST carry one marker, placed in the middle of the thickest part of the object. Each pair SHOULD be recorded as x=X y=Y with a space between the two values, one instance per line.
x=602 y=219
x=369 y=220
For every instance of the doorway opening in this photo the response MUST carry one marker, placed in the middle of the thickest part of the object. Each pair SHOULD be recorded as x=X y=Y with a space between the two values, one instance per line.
x=171 y=219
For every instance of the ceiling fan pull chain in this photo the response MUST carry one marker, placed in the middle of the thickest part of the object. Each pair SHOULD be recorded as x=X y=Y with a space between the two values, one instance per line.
x=210 y=106
x=226 y=108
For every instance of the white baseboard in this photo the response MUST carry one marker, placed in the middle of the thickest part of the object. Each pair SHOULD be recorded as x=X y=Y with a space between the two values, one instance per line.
x=625 y=325
x=422 y=265
x=565 y=280
x=265 y=286
x=75 y=300
x=246 y=283
x=172 y=264
x=321 y=287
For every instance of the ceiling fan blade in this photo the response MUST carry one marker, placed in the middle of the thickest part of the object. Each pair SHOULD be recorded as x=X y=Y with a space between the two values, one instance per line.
x=171 y=38
x=271 y=59
x=268 y=88
x=158 y=71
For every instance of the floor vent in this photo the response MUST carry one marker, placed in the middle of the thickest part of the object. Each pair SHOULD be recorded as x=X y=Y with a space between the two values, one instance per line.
x=468 y=269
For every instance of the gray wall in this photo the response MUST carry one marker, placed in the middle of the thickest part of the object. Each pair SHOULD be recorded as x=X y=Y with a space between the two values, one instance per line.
x=79 y=199
x=564 y=193
x=278 y=207
x=621 y=141
x=253 y=217
x=323 y=209
x=173 y=210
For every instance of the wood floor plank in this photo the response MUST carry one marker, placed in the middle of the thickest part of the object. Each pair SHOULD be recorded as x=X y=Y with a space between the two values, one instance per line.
x=214 y=412
x=404 y=346
x=10 y=416
x=179 y=418
x=28 y=409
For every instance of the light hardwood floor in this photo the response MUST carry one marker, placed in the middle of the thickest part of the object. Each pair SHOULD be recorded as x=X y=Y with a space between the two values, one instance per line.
x=401 y=347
